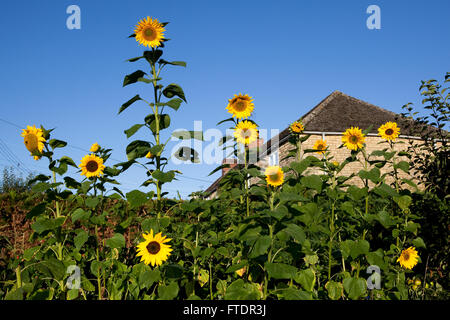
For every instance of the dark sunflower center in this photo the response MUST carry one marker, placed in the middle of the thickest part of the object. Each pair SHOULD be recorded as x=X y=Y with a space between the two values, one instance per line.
x=150 y=34
x=406 y=256
x=353 y=139
x=239 y=105
x=274 y=177
x=31 y=142
x=92 y=166
x=389 y=132
x=245 y=133
x=153 y=247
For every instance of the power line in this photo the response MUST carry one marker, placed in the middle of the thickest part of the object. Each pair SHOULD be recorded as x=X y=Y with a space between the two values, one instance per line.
x=13 y=156
x=84 y=150
x=12 y=161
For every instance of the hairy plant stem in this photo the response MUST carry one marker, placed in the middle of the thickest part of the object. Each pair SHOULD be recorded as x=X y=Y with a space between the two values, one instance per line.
x=157 y=139
x=299 y=150
x=269 y=255
x=99 y=277
x=396 y=179
x=330 y=244
x=19 y=276
x=246 y=181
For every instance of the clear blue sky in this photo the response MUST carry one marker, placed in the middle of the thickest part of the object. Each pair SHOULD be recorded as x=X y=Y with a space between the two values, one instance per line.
x=288 y=55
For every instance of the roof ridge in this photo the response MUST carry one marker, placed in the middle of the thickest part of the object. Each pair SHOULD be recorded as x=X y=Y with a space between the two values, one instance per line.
x=318 y=108
x=368 y=103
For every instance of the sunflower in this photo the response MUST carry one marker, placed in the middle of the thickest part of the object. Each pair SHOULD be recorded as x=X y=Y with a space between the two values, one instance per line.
x=408 y=258
x=149 y=32
x=296 y=127
x=245 y=132
x=353 y=138
x=241 y=106
x=94 y=147
x=274 y=176
x=33 y=138
x=154 y=250
x=389 y=131
x=149 y=155
x=91 y=166
x=320 y=146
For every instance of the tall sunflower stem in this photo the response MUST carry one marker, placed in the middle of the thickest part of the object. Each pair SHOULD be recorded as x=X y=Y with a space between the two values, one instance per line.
x=157 y=139
x=246 y=181
x=99 y=277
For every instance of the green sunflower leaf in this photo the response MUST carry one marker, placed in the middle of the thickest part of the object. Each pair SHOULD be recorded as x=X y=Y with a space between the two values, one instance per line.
x=174 y=90
x=129 y=103
x=133 y=77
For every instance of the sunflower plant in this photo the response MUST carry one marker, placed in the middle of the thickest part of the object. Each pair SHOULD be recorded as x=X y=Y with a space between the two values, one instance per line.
x=149 y=32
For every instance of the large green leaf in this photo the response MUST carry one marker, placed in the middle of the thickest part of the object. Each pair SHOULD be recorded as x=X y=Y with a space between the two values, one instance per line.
x=295 y=294
x=131 y=131
x=306 y=278
x=301 y=166
x=148 y=277
x=355 y=287
x=55 y=143
x=164 y=121
x=359 y=247
x=137 y=149
x=174 y=103
x=129 y=103
x=174 y=90
x=137 y=198
x=296 y=232
x=168 y=292
x=133 y=77
x=239 y=290
x=335 y=290
x=260 y=247
x=280 y=270
x=80 y=239
x=153 y=56
x=80 y=214
x=312 y=181
x=174 y=63
x=37 y=210
x=117 y=241
x=43 y=224
x=163 y=176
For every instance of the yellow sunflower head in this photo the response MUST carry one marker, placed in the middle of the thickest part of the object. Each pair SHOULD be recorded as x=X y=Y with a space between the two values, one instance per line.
x=149 y=32
x=154 y=250
x=296 y=127
x=245 y=132
x=389 y=131
x=34 y=140
x=149 y=155
x=91 y=166
x=408 y=258
x=320 y=146
x=353 y=138
x=95 y=147
x=241 y=106
x=274 y=176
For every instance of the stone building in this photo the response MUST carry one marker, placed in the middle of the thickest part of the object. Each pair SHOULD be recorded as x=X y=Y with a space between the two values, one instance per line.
x=328 y=121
